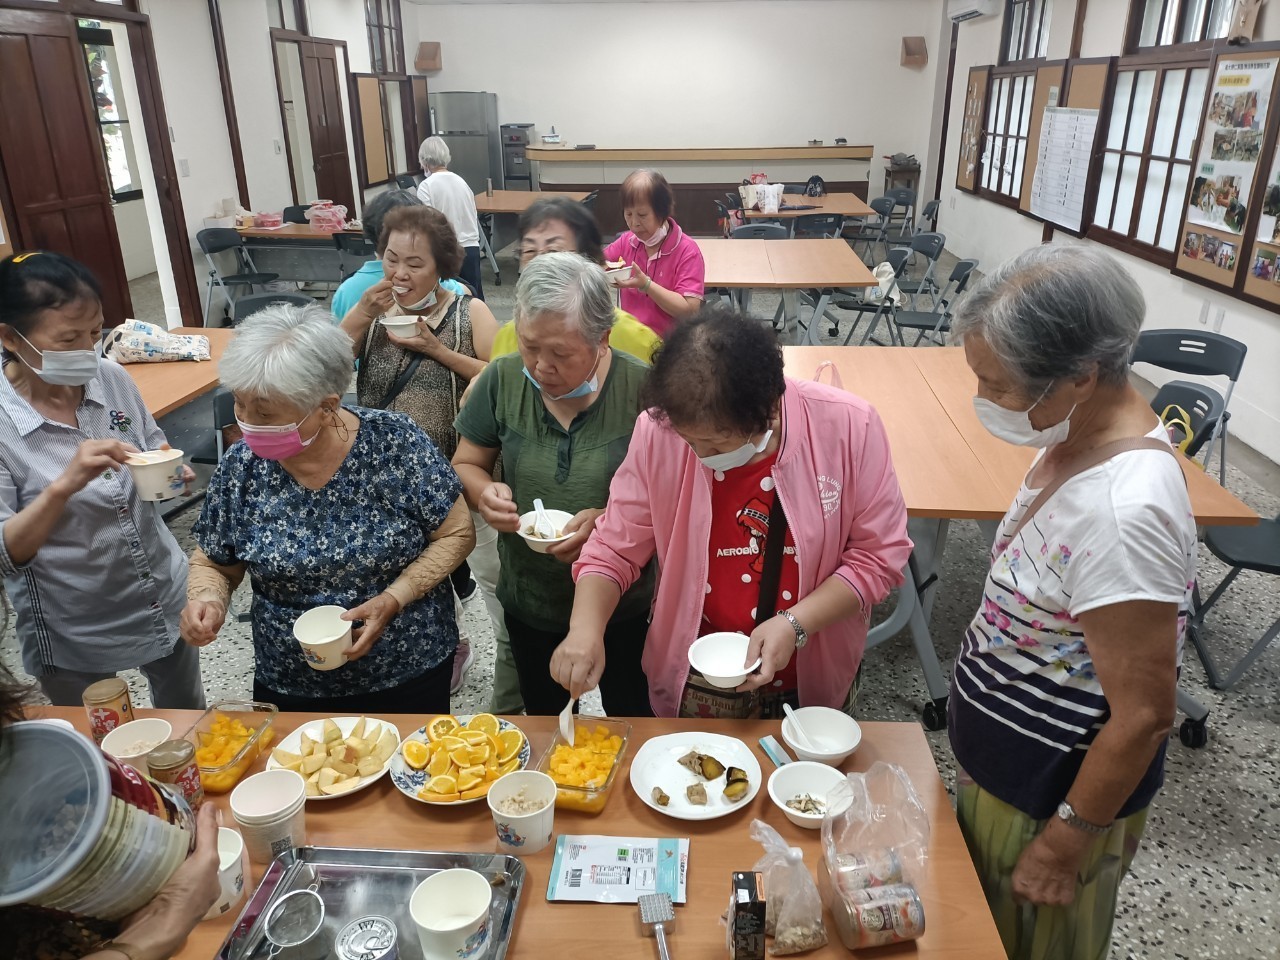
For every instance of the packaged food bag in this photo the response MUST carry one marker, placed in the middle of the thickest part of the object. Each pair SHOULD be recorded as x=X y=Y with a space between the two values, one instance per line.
x=137 y=342
x=793 y=909
x=769 y=196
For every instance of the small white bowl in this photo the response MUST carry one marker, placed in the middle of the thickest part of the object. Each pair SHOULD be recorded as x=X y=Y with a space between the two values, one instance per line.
x=804 y=776
x=835 y=734
x=400 y=326
x=124 y=741
x=619 y=274
x=538 y=545
x=719 y=658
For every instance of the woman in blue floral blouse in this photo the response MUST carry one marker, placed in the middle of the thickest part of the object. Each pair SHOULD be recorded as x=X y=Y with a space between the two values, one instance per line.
x=325 y=504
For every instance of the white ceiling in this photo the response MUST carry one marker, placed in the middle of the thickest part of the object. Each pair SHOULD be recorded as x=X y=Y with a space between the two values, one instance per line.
x=469 y=2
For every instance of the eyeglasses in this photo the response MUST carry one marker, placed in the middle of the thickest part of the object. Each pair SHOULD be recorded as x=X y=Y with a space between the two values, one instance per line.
x=530 y=250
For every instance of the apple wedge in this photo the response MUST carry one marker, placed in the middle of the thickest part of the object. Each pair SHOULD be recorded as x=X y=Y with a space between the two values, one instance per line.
x=332 y=732
x=340 y=786
x=358 y=730
x=286 y=759
x=362 y=747
x=313 y=763
x=369 y=766
x=385 y=746
x=313 y=788
x=327 y=777
x=344 y=768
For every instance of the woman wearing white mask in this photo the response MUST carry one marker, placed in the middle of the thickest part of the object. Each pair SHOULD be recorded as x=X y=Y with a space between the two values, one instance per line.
x=772 y=509
x=94 y=574
x=324 y=504
x=561 y=413
x=1064 y=686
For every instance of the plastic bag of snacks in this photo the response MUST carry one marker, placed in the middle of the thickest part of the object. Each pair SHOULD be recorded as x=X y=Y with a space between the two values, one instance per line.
x=793 y=909
x=326 y=217
x=137 y=342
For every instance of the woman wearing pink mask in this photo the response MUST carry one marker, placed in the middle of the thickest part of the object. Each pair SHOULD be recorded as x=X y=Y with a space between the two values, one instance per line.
x=667 y=271
x=325 y=504
x=1064 y=687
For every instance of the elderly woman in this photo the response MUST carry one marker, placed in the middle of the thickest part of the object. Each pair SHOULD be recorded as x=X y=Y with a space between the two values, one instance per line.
x=372 y=271
x=1064 y=687
x=560 y=412
x=449 y=193
x=323 y=504
x=731 y=456
x=667 y=271
x=94 y=574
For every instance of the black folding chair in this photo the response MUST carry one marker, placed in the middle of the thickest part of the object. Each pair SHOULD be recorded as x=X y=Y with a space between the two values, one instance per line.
x=936 y=323
x=875 y=309
x=1202 y=405
x=354 y=250
x=215 y=240
x=872 y=232
x=296 y=214
x=247 y=306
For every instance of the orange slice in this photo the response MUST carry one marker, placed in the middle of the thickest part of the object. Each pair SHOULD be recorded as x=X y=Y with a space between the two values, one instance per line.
x=440 y=797
x=461 y=756
x=469 y=778
x=479 y=754
x=484 y=722
x=475 y=792
x=438 y=727
x=441 y=784
x=416 y=753
x=510 y=766
x=440 y=763
x=509 y=744
x=452 y=743
x=473 y=738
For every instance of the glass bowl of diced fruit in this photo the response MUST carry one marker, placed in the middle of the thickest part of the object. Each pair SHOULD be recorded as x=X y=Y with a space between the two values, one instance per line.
x=584 y=771
x=229 y=737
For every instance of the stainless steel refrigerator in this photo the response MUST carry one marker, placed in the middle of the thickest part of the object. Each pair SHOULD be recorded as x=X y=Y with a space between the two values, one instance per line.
x=468 y=123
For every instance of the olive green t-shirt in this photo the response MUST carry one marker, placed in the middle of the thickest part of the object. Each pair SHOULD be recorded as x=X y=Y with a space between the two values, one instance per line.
x=570 y=470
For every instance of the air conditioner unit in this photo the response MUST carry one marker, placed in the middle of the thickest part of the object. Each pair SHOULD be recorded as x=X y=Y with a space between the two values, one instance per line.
x=961 y=10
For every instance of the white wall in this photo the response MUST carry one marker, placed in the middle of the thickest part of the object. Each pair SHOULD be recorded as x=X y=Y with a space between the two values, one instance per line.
x=697 y=74
x=135 y=238
x=253 y=82
x=992 y=233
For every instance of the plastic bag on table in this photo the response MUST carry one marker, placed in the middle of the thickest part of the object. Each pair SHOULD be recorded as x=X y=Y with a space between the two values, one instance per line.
x=759 y=178
x=137 y=342
x=769 y=196
x=880 y=836
x=793 y=909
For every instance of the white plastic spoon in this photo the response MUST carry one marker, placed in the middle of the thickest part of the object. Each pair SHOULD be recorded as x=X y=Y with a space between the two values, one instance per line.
x=566 y=722
x=795 y=725
x=543 y=526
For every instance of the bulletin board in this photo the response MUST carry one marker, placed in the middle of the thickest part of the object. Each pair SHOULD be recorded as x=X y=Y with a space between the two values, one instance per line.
x=1048 y=90
x=975 y=105
x=1223 y=217
x=372 y=133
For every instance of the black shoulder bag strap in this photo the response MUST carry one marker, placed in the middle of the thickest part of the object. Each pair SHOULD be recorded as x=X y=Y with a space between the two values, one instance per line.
x=401 y=382
x=771 y=575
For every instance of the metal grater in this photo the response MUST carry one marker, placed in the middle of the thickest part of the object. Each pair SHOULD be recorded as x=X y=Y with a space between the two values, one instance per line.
x=656 y=912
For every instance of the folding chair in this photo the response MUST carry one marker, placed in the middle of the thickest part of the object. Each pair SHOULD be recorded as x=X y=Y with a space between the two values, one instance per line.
x=247 y=306
x=877 y=309
x=353 y=251
x=935 y=323
x=904 y=198
x=214 y=240
x=1202 y=405
x=296 y=214
x=872 y=232
x=758 y=231
x=930 y=246
x=407 y=181
x=820 y=226
x=794 y=188
x=1199 y=353
x=589 y=201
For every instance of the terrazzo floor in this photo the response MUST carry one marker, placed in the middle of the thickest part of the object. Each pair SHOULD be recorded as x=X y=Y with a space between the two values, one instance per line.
x=1206 y=884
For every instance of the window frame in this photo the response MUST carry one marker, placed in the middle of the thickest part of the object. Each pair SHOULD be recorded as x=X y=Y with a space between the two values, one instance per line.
x=299 y=15
x=1010 y=72
x=408 y=120
x=1133 y=33
x=101 y=37
x=384 y=38
x=1041 y=34
x=1128 y=242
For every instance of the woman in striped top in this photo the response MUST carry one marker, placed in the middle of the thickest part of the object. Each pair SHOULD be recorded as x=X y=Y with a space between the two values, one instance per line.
x=1064 y=687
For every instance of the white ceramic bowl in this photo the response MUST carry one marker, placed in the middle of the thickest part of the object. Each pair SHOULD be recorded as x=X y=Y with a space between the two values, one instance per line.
x=558 y=519
x=834 y=734
x=125 y=741
x=619 y=274
x=400 y=326
x=804 y=776
x=719 y=657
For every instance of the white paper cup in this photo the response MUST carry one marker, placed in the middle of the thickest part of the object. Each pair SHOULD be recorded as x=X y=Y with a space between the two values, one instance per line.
x=523 y=832
x=270 y=809
x=404 y=326
x=230 y=872
x=323 y=637
x=157 y=473
x=131 y=742
x=450 y=911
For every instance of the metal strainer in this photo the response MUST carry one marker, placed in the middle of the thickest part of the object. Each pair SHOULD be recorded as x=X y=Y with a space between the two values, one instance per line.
x=294 y=919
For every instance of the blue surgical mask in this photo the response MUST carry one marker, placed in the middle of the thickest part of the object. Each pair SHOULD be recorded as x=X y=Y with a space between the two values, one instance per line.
x=584 y=389
x=66 y=368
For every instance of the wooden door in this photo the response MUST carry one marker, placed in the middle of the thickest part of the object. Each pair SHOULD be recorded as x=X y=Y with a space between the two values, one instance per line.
x=51 y=151
x=325 y=120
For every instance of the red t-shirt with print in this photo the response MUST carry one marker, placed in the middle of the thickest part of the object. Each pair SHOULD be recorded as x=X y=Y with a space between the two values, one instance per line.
x=741 y=501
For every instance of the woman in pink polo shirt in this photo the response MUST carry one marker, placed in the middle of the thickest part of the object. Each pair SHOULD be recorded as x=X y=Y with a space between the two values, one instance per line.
x=667 y=271
x=731 y=454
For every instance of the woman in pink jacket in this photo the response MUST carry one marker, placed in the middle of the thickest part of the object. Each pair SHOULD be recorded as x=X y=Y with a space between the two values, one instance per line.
x=730 y=451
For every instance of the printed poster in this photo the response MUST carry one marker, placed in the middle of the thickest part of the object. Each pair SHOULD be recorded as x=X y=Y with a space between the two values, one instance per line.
x=1269 y=222
x=1230 y=145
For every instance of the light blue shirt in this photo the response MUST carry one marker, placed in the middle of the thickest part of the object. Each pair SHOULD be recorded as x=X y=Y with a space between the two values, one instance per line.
x=105 y=591
x=349 y=291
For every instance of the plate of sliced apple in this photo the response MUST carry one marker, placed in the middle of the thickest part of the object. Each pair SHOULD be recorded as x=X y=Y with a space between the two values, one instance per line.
x=337 y=756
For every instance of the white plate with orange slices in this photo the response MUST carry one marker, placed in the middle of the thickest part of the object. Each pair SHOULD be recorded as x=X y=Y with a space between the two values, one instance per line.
x=455 y=759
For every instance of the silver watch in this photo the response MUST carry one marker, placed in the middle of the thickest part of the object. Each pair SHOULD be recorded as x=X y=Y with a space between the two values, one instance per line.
x=802 y=635
x=1068 y=815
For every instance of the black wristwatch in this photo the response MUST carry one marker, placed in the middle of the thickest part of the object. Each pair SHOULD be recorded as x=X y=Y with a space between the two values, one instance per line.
x=802 y=635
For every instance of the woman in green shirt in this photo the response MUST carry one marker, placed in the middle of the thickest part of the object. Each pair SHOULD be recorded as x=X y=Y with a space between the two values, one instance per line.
x=560 y=412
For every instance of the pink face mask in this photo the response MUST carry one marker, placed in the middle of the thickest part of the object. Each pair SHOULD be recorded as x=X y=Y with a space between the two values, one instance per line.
x=275 y=442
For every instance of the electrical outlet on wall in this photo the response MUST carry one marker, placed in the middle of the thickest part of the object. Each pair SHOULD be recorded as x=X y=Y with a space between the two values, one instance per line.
x=184 y=168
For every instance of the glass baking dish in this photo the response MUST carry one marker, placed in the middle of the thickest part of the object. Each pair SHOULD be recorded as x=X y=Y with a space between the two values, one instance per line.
x=224 y=756
x=591 y=796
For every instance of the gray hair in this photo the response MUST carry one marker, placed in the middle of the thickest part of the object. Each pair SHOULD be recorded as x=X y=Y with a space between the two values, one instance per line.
x=1056 y=312
x=380 y=206
x=570 y=285
x=289 y=353
x=434 y=152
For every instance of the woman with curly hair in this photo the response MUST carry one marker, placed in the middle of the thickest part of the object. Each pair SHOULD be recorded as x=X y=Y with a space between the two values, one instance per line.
x=772 y=508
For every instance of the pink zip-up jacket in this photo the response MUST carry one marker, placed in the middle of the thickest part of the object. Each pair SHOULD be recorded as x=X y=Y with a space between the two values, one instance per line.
x=843 y=506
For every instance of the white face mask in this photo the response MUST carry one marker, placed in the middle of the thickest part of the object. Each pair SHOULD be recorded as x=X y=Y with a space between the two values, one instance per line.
x=736 y=458
x=658 y=235
x=1014 y=426
x=426 y=303
x=65 y=368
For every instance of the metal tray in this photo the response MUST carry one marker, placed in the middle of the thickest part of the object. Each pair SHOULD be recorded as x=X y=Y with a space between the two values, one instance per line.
x=357 y=882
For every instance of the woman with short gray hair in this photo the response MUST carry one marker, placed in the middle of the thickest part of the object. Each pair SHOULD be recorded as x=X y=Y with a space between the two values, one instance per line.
x=452 y=196
x=323 y=504
x=1064 y=687
x=561 y=413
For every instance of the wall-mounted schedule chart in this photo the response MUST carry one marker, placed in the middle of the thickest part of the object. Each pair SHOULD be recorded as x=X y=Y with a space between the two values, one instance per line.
x=1062 y=165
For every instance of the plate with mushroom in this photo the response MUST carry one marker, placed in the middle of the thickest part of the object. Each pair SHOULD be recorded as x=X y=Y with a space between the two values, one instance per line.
x=695 y=776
